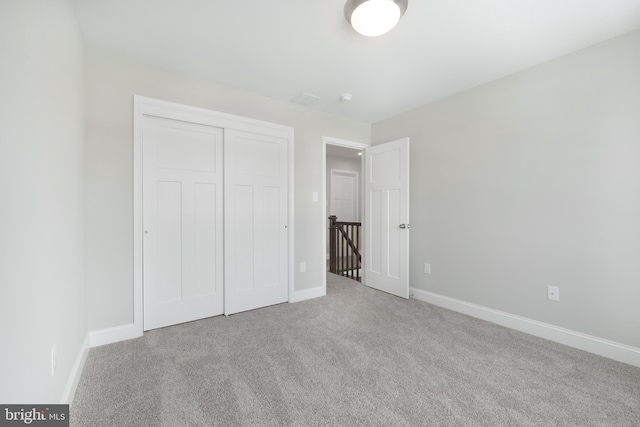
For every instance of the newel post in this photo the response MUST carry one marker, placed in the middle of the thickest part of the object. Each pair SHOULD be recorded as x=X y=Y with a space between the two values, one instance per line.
x=333 y=244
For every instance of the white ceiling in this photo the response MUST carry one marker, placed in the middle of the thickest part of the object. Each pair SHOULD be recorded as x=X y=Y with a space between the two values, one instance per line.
x=280 y=48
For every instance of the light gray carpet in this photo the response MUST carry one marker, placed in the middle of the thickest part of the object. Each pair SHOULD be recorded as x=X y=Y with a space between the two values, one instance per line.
x=354 y=357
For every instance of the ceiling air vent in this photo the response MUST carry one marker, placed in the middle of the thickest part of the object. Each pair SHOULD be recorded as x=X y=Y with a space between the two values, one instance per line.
x=305 y=98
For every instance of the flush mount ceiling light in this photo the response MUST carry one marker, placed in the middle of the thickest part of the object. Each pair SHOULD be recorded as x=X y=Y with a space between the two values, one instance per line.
x=374 y=17
x=346 y=97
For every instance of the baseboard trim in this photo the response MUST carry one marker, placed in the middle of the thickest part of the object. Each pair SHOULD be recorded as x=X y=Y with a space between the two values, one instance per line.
x=308 y=294
x=111 y=335
x=76 y=373
x=602 y=347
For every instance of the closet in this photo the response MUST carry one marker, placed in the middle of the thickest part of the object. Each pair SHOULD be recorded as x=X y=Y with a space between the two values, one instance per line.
x=215 y=212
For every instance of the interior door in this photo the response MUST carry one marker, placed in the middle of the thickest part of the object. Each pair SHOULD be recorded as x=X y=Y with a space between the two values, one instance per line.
x=256 y=228
x=182 y=221
x=344 y=195
x=386 y=224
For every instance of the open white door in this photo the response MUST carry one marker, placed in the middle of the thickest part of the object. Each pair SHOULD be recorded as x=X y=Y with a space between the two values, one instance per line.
x=386 y=223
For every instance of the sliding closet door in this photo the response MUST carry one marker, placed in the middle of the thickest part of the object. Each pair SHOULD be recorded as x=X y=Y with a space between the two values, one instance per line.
x=256 y=233
x=182 y=221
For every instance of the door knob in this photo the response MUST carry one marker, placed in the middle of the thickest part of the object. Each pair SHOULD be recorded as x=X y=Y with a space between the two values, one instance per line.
x=403 y=226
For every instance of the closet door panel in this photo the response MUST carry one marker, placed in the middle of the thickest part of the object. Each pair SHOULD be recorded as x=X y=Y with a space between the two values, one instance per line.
x=182 y=221
x=256 y=234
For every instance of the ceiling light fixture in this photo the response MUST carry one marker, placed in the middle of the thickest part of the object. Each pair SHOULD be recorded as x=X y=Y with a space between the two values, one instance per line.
x=374 y=17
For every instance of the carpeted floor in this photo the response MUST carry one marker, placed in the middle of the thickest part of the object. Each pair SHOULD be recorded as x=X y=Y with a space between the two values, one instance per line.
x=354 y=357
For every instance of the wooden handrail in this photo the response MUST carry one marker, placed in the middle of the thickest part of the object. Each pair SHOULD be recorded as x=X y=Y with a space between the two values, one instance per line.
x=344 y=248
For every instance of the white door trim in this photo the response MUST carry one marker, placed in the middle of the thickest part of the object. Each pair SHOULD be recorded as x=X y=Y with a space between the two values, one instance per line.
x=155 y=107
x=327 y=140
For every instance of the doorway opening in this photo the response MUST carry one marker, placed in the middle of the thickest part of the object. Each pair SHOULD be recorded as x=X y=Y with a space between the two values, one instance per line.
x=343 y=194
x=384 y=191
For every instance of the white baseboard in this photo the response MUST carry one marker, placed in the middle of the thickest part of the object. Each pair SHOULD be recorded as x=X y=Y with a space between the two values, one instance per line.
x=94 y=339
x=111 y=335
x=602 y=347
x=306 y=294
x=76 y=373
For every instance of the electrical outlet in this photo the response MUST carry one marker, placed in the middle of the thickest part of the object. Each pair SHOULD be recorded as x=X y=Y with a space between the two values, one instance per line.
x=553 y=293
x=427 y=268
x=303 y=267
x=54 y=359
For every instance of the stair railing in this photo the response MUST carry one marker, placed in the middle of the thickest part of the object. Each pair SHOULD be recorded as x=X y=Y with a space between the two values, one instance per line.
x=344 y=248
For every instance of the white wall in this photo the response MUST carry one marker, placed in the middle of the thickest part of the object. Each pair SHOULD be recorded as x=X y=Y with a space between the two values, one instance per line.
x=110 y=86
x=42 y=292
x=534 y=180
